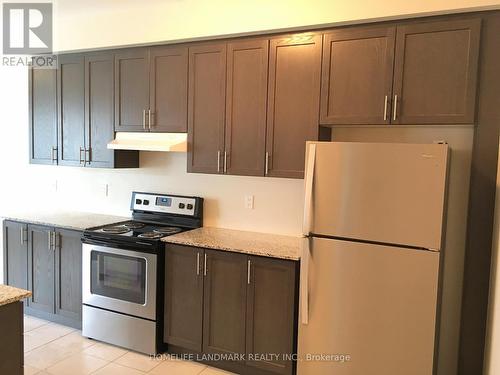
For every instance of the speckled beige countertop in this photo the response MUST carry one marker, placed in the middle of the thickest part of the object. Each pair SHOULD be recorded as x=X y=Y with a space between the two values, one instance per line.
x=270 y=245
x=9 y=294
x=64 y=219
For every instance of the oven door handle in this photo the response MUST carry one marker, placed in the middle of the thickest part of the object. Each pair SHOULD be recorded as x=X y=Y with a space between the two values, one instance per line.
x=143 y=243
x=110 y=243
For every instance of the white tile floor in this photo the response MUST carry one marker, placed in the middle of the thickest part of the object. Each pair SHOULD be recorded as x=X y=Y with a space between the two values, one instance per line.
x=52 y=349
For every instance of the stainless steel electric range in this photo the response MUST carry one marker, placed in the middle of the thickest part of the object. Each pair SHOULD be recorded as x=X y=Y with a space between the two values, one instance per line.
x=123 y=270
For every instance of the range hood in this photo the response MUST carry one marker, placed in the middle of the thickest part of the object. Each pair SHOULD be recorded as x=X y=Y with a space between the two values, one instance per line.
x=173 y=142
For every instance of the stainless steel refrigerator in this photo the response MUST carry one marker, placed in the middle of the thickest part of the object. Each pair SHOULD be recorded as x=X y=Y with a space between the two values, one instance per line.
x=370 y=270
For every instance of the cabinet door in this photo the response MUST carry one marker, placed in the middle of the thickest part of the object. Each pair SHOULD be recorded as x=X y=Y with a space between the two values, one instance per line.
x=168 y=89
x=206 y=106
x=131 y=90
x=71 y=110
x=99 y=109
x=271 y=317
x=356 y=83
x=224 y=302
x=183 y=297
x=43 y=116
x=293 y=103
x=15 y=239
x=68 y=274
x=245 y=137
x=435 y=72
x=41 y=268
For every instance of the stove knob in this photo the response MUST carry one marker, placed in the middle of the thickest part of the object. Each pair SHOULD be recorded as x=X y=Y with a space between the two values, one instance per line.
x=189 y=206
x=146 y=202
x=138 y=201
x=181 y=205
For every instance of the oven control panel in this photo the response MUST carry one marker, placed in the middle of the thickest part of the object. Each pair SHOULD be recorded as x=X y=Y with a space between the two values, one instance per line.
x=168 y=204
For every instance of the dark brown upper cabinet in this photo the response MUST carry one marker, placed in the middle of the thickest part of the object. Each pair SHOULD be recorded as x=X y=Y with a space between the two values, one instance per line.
x=246 y=100
x=71 y=110
x=206 y=108
x=435 y=72
x=99 y=115
x=293 y=102
x=151 y=89
x=356 y=85
x=131 y=90
x=43 y=116
x=168 y=89
x=86 y=113
x=99 y=107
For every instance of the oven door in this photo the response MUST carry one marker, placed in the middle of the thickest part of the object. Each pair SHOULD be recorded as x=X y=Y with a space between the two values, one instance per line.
x=119 y=280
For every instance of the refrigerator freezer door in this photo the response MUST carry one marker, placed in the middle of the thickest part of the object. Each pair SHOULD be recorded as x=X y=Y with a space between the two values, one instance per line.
x=382 y=192
x=374 y=303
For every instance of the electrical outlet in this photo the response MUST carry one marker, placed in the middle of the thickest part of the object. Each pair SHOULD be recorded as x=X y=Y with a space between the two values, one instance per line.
x=249 y=201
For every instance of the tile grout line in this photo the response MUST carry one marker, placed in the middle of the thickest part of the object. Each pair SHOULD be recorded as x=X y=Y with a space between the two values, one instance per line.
x=81 y=351
x=48 y=342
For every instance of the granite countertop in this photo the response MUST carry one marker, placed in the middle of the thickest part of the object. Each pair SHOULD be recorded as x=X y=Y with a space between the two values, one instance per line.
x=263 y=244
x=64 y=219
x=9 y=294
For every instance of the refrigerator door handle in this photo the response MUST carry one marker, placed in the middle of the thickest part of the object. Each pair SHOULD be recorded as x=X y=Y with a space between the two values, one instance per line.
x=308 y=188
x=304 y=281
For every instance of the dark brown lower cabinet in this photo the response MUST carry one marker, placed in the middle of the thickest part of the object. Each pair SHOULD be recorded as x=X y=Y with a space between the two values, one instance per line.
x=15 y=245
x=183 y=297
x=270 y=318
x=230 y=304
x=68 y=274
x=48 y=262
x=40 y=269
x=224 y=306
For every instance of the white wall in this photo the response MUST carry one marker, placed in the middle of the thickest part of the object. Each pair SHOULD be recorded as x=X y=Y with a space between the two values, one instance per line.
x=93 y=23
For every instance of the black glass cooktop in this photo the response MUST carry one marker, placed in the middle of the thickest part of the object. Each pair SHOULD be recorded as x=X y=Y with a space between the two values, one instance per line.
x=138 y=229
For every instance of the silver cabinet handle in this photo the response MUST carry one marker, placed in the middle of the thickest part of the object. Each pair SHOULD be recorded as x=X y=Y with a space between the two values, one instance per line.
x=218 y=161
x=82 y=160
x=205 y=267
x=22 y=236
x=395 y=109
x=50 y=241
x=386 y=101
x=87 y=156
x=225 y=161
x=57 y=241
x=54 y=154
x=198 y=264
x=266 y=172
x=149 y=118
x=144 y=119
x=249 y=266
